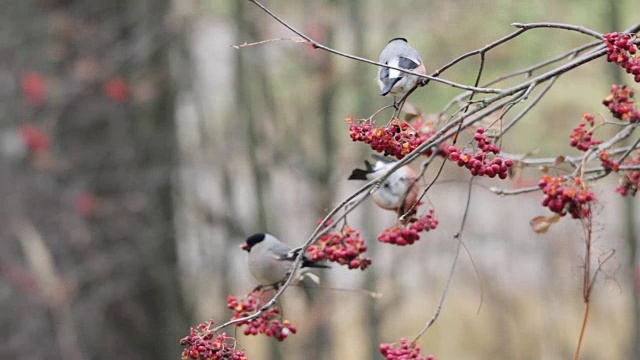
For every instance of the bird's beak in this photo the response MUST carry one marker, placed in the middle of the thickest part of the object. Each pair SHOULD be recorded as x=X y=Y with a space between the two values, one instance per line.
x=244 y=246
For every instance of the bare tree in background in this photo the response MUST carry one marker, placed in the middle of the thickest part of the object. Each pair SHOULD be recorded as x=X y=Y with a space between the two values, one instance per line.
x=88 y=150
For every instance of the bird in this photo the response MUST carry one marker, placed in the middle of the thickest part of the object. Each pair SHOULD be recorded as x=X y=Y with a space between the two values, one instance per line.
x=270 y=260
x=398 y=192
x=398 y=53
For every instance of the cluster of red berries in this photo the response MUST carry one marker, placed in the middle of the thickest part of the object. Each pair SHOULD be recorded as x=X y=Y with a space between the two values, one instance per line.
x=621 y=103
x=266 y=323
x=630 y=182
x=202 y=345
x=563 y=195
x=479 y=163
x=606 y=162
x=408 y=234
x=34 y=139
x=581 y=136
x=622 y=51
x=397 y=138
x=403 y=351
x=343 y=247
x=34 y=87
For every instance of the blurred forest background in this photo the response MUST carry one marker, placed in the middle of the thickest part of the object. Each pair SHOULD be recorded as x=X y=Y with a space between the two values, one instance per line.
x=138 y=149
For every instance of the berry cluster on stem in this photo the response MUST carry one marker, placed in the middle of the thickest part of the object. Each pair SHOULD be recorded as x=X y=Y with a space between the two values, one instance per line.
x=582 y=135
x=396 y=139
x=34 y=138
x=563 y=196
x=630 y=182
x=202 y=344
x=621 y=103
x=344 y=247
x=622 y=51
x=606 y=162
x=404 y=350
x=483 y=162
x=409 y=232
x=266 y=324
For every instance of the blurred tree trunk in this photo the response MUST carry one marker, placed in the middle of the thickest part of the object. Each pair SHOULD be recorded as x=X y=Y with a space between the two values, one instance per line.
x=249 y=71
x=93 y=212
x=320 y=345
x=245 y=71
x=363 y=105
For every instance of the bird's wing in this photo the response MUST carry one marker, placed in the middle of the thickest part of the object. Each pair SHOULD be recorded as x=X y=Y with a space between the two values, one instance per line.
x=282 y=252
x=408 y=63
x=384 y=74
x=388 y=85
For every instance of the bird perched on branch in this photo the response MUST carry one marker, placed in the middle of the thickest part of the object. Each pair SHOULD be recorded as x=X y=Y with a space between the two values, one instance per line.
x=270 y=261
x=398 y=192
x=398 y=53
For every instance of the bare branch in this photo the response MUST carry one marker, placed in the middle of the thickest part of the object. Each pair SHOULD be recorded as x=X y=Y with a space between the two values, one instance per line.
x=316 y=44
x=580 y=29
x=458 y=237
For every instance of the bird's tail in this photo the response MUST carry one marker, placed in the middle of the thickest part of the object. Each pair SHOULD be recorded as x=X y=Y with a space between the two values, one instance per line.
x=360 y=174
x=312 y=264
x=388 y=86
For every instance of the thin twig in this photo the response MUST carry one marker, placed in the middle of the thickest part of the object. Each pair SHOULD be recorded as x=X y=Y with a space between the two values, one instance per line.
x=529 y=106
x=458 y=237
x=631 y=148
x=318 y=45
x=580 y=29
x=499 y=191
x=245 y=44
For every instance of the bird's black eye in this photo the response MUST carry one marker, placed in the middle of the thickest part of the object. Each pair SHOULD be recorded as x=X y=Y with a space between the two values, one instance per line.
x=385 y=185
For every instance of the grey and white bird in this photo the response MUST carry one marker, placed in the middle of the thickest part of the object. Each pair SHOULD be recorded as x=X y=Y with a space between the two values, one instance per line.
x=398 y=192
x=398 y=53
x=270 y=260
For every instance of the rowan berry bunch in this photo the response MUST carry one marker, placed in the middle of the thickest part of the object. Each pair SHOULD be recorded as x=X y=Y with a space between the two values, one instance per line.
x=34 y=139
x=485 y=161
x=630 y=182
x=563 y=195
x=403 y=351
x=409 y=232
x=621 y=103
x=266 y=323
x=202 y=345
x=344 y=247
x=622 y=51
x=582 y=135
x=607 y=163
x=397 y=139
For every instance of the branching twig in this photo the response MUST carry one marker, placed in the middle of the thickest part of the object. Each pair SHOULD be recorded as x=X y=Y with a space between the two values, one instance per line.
x=458 y=237
x=580 y=29
x=318 y=45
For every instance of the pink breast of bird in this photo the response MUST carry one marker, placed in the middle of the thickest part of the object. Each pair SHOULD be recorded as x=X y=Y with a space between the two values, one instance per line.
x=401 y=191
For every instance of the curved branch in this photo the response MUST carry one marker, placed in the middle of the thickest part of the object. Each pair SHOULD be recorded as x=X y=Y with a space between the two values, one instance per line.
x=580 y=29
x=318 y=45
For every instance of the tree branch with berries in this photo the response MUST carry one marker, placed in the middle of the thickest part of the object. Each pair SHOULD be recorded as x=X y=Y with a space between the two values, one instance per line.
x=483 y=109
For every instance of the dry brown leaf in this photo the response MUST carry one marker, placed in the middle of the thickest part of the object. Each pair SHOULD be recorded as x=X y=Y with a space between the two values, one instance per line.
x=540 y=224
x=559 y=160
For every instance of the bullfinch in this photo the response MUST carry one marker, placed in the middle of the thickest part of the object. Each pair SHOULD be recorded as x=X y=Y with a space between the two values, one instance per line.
x=398 y=192
x=270 y=260
x=398 y=53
